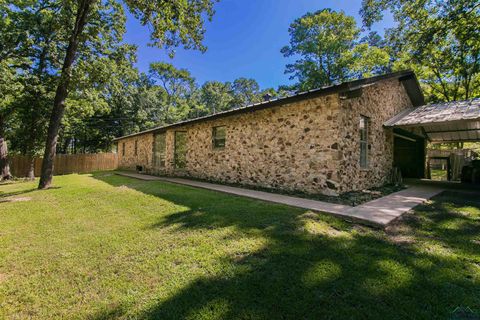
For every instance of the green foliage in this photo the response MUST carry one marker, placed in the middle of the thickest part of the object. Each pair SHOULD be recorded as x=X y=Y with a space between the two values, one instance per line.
x=107 y=95
x=327 y=43
x=43 y=27
x=216 y=96
x=365 y=60
x=439 y=40
x=178 y=86
x=10 y=84
x=174 y=23
x=245 y=92
x=475 y=146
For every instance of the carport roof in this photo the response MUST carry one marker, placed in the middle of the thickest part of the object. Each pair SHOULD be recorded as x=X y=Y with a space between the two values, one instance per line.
x=443 y=122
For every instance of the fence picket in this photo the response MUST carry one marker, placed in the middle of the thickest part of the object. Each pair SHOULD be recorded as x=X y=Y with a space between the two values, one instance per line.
x=66 y=163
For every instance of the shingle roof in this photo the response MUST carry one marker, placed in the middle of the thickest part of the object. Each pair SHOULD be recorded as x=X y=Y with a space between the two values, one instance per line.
x=407 y=77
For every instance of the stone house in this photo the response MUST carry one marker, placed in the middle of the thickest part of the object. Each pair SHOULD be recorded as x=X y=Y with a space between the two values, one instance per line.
x=329 y=140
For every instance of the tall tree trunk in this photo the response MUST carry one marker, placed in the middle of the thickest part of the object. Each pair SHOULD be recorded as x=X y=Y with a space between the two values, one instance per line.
x=4 y=167
x=61 y=94
x=31 y=168
x=30 y=152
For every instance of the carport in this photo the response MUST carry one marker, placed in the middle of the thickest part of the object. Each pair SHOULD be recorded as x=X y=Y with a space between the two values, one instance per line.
x=456 y=121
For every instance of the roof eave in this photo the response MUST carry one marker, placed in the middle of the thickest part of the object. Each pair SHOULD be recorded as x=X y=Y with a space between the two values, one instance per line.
x=402 y=76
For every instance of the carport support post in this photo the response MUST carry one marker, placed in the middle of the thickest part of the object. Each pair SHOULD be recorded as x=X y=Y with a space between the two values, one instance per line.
x=426 y=163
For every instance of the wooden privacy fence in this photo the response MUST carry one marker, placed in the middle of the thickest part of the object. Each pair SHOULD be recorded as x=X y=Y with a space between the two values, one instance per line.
x=66 y=163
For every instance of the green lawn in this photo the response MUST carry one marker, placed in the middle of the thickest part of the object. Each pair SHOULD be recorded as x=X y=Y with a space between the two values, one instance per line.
x=440 y=175
x=105 y=246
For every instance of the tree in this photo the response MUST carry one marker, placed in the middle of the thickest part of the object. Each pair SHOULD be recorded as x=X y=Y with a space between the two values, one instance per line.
x=439 y=40
x=28 y=121
x=329 y=49
x=365 y=61
x=9 y=88
x=173 y=23
x=245 y=92
x=216 y=96
x=102 y=101
x=42 y=43
x=178 y=86
x=11 y=37
x=39 y=51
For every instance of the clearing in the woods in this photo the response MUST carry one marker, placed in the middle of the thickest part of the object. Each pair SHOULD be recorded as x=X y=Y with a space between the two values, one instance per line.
x=105 y=246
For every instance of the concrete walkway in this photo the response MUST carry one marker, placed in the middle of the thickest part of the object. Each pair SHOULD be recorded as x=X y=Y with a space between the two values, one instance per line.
x=384 y=210
x=379 y=212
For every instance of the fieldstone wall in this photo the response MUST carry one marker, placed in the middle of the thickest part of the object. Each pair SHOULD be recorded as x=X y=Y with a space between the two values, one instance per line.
x=287 y=147
x=129 y=161
x=310 y=146
x=379 y=102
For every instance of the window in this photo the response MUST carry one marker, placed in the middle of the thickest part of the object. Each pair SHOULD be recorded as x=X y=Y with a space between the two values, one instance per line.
x=364 y=122
x=136 y=147
x=123 y=149
x=180 y=154
x=219 y=137
x=159 y=146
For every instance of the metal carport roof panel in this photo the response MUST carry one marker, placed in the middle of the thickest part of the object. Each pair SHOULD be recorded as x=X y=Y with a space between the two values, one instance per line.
x=447 y=122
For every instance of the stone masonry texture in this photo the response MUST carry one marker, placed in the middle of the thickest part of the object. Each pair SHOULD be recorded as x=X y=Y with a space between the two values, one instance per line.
x=311 y=146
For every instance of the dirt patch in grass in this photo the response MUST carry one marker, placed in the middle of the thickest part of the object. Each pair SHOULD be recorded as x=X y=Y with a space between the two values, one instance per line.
x=21 y=199
x=402 y=239
x=18 y=199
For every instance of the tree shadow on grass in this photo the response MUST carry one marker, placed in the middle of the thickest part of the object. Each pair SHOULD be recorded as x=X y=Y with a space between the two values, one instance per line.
x=315 y=266
x=452 y=220
x=4 y=194
x=16 y=193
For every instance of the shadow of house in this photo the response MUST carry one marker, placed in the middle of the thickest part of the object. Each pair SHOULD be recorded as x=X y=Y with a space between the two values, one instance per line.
x=341 y=271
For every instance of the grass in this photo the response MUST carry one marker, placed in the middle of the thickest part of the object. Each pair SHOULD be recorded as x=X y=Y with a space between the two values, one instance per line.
x=103 y=246
x=438 y=174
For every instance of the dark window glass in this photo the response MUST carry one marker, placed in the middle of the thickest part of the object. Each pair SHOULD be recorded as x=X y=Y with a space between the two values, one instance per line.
x=159 y=146
x=180 y=153
x=219 y=136
x=123 y=149
x=364 y=123
x=136 y=147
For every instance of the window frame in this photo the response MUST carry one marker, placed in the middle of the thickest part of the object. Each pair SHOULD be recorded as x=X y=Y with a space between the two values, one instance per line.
x=179 y=165
x=364 y=133
x=215 y=139
x=160 y=161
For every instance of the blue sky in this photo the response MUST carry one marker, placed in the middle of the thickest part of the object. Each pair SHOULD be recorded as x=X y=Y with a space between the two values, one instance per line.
x=244 y=40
